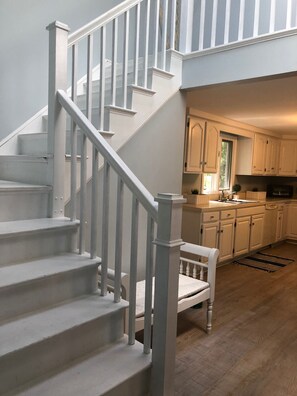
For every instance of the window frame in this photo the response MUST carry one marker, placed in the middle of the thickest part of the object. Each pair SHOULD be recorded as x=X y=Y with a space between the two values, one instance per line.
x=224 y=136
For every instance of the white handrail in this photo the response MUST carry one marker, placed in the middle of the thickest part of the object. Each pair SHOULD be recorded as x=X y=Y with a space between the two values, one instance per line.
x=128 y=177
x=101 y=20
x=249 y=23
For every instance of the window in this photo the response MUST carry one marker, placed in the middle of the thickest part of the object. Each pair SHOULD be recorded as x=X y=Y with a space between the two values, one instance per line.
x=223 y=180
x=225 y=165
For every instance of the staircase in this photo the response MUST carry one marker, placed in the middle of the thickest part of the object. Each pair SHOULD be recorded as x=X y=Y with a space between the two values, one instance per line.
x=59 y=334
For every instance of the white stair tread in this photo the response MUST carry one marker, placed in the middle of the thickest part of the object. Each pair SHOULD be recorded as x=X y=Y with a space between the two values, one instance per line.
x=11 y=186
x=97 y=373
x=12 y=228
x=36 y=269
x=40 y=326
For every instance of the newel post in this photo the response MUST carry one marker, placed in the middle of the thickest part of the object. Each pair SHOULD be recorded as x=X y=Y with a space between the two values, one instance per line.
x=168 y=244
x=58 y=40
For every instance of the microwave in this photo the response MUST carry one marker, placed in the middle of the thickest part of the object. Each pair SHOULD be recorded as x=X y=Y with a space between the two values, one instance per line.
x=279 y=191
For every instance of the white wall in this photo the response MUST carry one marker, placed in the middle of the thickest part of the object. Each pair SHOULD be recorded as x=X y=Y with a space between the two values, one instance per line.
x=24 y=51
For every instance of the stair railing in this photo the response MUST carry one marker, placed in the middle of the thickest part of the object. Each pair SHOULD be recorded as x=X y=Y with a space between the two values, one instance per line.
x=133 y=37
x=162 y=244
x=207 y=25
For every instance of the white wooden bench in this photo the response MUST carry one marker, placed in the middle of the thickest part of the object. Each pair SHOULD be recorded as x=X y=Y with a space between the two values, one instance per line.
x=196 y=283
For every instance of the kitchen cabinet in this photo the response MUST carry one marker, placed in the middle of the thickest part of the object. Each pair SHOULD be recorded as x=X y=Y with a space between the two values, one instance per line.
x=280 y=234
x=248 y=230
x=201 y=146
x=288 y=158
x=291 y=221
x=272 y=156
x=226 y=239
x=242 y=235
x=256 y=236
x=213 y=229
x=258 y=156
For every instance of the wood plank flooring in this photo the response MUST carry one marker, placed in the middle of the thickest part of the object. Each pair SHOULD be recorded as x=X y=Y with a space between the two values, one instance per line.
x=252 y=350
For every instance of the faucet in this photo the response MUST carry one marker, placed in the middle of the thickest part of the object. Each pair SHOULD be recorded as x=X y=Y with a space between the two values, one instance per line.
x=223 y=196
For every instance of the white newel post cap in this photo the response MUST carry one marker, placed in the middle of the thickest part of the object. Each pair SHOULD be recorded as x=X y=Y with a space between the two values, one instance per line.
x=58 y=25
x=169 y=212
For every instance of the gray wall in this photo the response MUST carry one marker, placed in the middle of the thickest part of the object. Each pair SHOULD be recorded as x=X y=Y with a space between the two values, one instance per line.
x=155 y=155
x=24 y=51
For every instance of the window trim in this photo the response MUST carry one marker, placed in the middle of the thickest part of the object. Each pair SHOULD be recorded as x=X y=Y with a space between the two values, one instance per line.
x=223 y=136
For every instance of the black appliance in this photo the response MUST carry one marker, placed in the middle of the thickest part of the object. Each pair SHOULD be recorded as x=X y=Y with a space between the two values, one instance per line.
x=278 y=191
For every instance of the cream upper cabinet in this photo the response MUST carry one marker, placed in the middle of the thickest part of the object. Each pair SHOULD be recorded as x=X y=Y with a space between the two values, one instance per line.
x=211 y=148
x=194 y=145
x=287 y=158
x=201 y=146
x=272 y=156
x=258 y=156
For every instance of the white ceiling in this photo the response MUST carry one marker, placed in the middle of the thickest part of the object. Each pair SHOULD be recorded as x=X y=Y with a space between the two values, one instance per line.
x=268 y=104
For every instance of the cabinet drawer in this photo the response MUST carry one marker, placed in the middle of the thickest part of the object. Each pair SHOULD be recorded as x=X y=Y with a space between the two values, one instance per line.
x=227 y=214
x=250 y=211
x=210 y=216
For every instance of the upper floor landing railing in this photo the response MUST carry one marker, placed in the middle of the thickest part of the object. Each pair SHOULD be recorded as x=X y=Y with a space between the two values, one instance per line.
x=214 y=24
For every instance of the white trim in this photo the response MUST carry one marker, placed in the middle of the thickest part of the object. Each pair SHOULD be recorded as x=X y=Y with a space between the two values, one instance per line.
x=243 y=43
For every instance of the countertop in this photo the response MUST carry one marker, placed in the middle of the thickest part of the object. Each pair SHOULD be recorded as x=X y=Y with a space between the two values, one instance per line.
x=214 y=205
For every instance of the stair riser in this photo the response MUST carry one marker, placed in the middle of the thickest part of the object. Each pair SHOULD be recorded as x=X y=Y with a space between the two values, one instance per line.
x=23 y=365
x=16 y=249
x=29 y=145
x=41 y=293
x=140 y=383
x=23 y=205
x=32 y=172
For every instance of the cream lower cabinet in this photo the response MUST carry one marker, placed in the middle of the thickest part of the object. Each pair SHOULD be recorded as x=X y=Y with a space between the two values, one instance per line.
x=242 y=235
x=217 y=230
x=280 y=223
x=256 y=236
x=291 y=221
x=249 y=230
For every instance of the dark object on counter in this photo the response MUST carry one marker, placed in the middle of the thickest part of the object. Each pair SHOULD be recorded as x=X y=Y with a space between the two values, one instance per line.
x=279 y=191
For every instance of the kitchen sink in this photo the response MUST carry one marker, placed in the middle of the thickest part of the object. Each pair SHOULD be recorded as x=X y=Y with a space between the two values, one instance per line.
x=235 y=201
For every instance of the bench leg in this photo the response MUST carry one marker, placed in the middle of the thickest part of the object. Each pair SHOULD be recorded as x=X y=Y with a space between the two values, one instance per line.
x=209 y=317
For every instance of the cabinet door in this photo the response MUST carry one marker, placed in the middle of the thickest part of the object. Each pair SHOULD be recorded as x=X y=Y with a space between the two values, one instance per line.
x=291 y=221
x=287 y=158
x=194 y=145
x=256 y=237
x=211 y=150
x=272 y=156
x=242 y=235
x=259 y=153
x=226 y=239
x=279 y=225
x=210 y=235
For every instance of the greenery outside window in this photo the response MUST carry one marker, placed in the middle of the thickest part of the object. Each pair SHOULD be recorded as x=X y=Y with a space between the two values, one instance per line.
x=224 y=178
x=225 y=164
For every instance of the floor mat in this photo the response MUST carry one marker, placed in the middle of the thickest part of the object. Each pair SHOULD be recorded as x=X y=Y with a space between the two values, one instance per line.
x=265 y=262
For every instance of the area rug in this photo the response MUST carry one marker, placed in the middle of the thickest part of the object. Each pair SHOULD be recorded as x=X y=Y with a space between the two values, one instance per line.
x=264 y=262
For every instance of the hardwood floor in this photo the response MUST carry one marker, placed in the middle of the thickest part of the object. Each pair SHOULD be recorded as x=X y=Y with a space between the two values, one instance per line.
x=253 y=346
